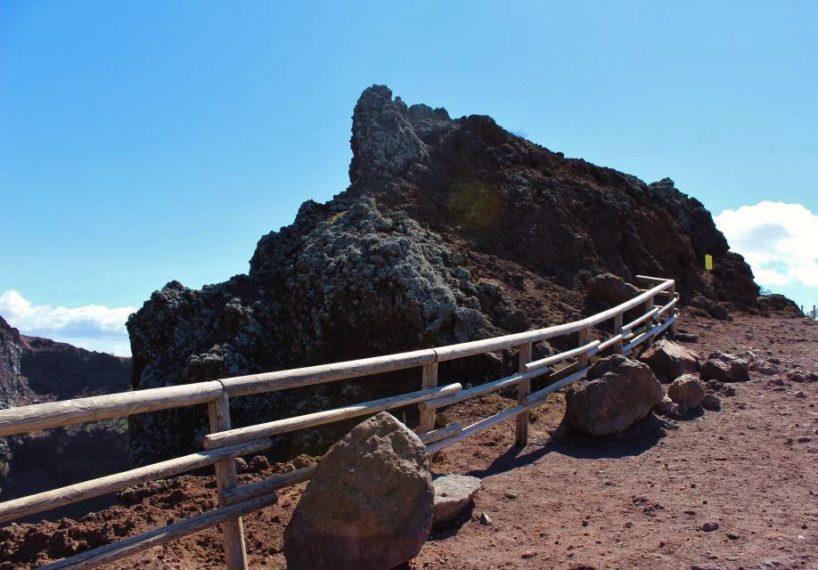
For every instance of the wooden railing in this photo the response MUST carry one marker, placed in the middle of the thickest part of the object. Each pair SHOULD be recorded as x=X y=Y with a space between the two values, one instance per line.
x=225 y=443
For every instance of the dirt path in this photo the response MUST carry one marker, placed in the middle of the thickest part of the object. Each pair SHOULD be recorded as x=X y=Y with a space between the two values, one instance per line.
x=640 y=501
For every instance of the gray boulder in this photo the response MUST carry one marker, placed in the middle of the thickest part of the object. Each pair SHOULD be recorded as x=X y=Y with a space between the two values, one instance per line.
x=617 y=392
x=669 y=360
x=453 y=494
x=725 y=367
x=369 y=504
x=687 y=391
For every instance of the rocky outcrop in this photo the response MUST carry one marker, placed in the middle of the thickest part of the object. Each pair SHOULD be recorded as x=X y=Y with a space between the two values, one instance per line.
x=607 y=290
x=616 y=392
x=780 y=304
x=369 y=504
x=451 y=230
x=669 y=360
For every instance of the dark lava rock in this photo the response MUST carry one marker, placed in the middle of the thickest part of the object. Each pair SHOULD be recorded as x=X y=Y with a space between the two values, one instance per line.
x=451 y=230
x=617 y=392
x=369 y=504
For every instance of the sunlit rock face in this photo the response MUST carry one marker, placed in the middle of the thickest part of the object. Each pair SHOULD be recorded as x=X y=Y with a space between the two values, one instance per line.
x=451 y=230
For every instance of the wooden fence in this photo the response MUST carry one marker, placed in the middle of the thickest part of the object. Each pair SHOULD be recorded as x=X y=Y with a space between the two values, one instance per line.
x=225 y=443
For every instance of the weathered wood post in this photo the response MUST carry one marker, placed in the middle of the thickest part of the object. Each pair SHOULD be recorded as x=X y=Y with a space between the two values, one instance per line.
x=235 y=552
x=523 y=390
x=427 y=415
x=582 y=359
x=617 y=330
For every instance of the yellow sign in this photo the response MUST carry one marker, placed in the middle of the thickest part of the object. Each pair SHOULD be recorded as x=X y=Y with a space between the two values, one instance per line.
x=708 y=262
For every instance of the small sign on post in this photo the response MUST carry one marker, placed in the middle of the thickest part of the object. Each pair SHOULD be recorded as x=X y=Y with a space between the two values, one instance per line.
x=708 y=262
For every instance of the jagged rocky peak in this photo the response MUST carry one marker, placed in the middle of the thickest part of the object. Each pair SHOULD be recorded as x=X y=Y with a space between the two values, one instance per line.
x=388 y=136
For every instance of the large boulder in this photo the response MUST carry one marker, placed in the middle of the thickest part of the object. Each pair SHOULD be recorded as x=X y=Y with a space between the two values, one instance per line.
x=724 y=367
x=617 y=392
x=687 y=391
x=608 y=290
x=369 y=504
x=453 y=494
x=669 y=360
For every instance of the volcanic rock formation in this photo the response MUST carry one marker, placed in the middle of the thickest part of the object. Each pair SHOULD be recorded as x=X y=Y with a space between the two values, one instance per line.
x=34 y=370
x=451 y=230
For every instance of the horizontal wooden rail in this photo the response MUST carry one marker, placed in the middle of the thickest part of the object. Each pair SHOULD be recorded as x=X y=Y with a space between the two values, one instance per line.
x=77 y=492
x=493 y=344
x=591 y=348
x=441 y=433
x=668 y=307
x=536 y=398
x=483 y=389
x=648 y=334
x=639 y=320
x=26 y=419
x=321 y=374
x=477 y=427
x=129 y=546
x=268 y=485
x=297 y=423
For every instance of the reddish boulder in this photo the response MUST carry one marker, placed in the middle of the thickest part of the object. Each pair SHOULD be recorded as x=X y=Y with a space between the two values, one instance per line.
x=669 y=360
x=617 y=392
x=725 y=367
x=687 y=391
x=369 y=504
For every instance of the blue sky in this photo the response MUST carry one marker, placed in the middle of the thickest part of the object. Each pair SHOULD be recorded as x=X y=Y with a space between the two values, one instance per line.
x=148 y=141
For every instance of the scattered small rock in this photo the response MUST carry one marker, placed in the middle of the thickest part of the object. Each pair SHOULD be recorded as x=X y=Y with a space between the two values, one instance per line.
x=725 y=368
x=485 y=519
x=453 y=495
x=259 y=463
x=687 y=391
x=711 y=402
x=710 y=526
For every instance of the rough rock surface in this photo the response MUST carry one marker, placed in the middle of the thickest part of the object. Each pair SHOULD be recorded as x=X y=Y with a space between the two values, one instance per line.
x=669 y=360
x=453 y=494
x=724 y=367
x=369 y=504
x=607 y=290
x=617 y=392
x=687 y=391
x=451 y=230
x=779 y=305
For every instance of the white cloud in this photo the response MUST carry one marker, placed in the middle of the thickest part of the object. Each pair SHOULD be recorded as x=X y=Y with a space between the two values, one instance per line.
x=94 y=327
x=778 y=240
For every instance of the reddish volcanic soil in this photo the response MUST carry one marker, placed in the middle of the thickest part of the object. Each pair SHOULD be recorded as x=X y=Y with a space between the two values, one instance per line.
x=565 y=502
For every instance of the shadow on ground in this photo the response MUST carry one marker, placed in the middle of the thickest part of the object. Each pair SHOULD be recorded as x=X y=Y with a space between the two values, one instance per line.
x=637 y=439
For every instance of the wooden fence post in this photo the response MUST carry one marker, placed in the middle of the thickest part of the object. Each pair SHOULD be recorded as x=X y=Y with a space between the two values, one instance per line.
x=523 y=390
x=427 y=416
x=617 y=330
x=582 y=359
x=235 y=552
